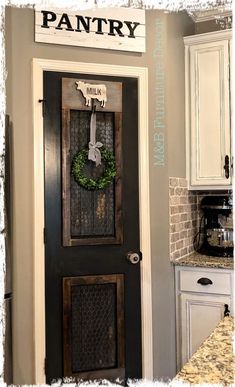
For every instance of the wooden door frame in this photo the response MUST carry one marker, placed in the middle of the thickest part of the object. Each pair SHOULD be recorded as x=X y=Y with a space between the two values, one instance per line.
x=141 y=73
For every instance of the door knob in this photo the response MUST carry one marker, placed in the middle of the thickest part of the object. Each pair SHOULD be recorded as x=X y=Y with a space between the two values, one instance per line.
x=133 y=257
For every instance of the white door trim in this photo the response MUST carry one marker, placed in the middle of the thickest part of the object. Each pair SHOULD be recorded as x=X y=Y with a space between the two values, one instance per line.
x=141 y=73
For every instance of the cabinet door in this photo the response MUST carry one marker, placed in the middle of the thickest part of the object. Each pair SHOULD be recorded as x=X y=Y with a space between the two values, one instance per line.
x=200 y=314
x=209 y=113
x=231 y=98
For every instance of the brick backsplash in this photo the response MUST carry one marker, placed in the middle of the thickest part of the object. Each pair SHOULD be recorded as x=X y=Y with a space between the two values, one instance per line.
x=183 y=213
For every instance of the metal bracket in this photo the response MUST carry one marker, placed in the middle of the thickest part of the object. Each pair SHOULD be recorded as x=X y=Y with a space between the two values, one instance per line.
x=43 y=102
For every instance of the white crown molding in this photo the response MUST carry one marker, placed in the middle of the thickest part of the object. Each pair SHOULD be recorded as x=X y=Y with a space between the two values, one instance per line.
x=207 y=37
x=209 y=14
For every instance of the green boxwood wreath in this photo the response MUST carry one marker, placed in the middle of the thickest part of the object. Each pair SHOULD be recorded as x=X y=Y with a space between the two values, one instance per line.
x=80 y=160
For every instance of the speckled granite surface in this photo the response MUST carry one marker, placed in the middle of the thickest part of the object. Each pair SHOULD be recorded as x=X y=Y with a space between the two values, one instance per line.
x=198 y=260
x=214 y=361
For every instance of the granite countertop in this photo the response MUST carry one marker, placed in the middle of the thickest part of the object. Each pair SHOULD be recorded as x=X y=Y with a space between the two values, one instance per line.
x=198 y=260
x=214 y=361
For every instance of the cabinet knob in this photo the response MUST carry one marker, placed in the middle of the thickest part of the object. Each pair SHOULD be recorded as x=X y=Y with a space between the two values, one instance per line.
x=226 y=166
x=204 y=281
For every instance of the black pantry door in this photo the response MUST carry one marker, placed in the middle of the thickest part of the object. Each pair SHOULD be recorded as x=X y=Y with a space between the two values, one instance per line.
x=92 y=289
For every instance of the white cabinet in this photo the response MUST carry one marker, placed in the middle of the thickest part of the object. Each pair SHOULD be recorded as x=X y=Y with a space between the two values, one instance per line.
x=208 y=117
x=201 y=299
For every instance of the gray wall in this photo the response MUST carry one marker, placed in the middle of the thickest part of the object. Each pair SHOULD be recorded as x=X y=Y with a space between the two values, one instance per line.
x=175 y=26
x=20 y=49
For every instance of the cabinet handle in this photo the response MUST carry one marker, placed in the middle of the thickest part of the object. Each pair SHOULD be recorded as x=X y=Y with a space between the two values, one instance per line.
x=226 y=166
x=226 y=310
x=204 y=281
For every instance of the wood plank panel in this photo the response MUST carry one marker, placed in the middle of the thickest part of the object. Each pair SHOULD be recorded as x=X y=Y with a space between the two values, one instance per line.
x=74 y=99
x=109 y=28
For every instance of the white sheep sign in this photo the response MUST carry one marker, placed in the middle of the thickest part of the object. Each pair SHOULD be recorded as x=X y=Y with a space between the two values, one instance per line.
x=91 y=91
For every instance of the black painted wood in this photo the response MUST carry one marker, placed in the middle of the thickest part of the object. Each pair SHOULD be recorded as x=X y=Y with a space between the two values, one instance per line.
x=102 y=260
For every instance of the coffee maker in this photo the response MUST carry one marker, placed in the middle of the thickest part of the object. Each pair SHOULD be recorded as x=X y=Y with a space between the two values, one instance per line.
x=214 y=237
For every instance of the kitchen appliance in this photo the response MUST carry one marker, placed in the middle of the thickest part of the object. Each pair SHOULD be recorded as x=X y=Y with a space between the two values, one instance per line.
x=215 y=236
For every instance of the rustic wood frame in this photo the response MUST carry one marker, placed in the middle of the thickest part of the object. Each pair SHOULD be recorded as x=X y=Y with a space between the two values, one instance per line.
x=68 y=240
x=111 y=373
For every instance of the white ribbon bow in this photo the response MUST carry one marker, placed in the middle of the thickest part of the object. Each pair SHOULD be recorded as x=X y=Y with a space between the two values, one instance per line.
x=94 y=152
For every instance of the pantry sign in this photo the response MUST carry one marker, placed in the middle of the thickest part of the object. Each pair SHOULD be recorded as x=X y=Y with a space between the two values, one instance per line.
x=109 y=28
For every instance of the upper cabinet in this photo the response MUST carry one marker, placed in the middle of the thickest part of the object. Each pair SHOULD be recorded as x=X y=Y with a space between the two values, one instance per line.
x=208 y=110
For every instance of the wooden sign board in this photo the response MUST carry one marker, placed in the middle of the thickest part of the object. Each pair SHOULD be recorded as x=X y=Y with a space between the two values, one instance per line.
x=74 y=98
x=110 y=28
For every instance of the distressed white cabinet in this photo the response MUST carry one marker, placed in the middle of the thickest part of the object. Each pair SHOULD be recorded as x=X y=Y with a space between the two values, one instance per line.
x=208 y=114
x=201 y=298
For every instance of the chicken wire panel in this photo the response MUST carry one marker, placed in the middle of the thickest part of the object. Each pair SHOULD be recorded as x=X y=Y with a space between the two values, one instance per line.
x=92 y=213
x=93 y=327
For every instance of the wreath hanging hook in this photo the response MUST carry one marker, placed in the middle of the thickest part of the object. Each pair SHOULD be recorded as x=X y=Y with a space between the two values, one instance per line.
x=94 y=152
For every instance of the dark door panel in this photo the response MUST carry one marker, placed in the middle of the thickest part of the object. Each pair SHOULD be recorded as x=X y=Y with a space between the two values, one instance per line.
x=88 y=280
